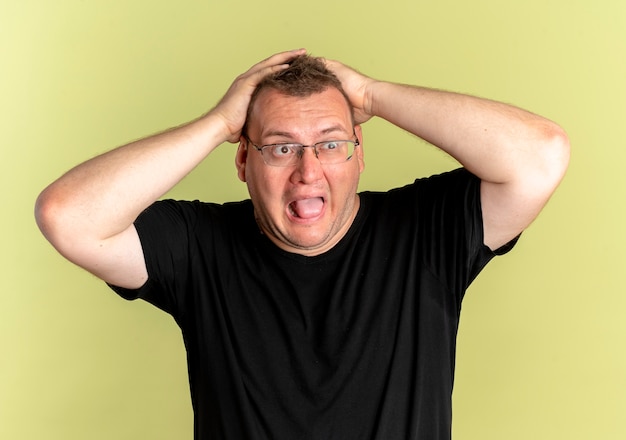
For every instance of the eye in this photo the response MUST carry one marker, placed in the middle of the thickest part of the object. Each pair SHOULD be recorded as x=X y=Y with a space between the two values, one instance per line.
x=283 y=150
x=331 y=145
x=332 y=148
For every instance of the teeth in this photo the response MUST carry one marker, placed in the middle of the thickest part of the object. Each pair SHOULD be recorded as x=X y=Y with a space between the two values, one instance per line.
x=292 y=211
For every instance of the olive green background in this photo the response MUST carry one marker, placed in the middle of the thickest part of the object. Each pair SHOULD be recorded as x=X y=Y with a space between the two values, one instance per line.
x=542 y=349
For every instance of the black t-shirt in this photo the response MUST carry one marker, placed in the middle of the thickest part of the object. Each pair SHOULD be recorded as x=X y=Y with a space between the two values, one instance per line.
x=356 y=343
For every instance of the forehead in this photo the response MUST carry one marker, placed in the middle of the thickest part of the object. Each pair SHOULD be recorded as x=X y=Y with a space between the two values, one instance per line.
x=276 y=114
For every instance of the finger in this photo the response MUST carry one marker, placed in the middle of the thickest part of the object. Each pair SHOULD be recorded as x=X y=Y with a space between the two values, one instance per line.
x=273 y=64
x=332 y=64
x=283 y=57
x=276 y=60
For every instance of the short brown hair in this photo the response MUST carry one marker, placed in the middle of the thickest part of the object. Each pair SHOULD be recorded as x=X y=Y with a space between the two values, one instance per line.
x=305 y=76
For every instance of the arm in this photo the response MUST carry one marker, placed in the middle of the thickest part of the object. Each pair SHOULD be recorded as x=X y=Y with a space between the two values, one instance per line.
x=88 y=213
x=520 y=157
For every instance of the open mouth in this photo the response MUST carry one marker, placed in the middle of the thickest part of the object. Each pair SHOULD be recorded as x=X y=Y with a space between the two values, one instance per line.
x=307 y=208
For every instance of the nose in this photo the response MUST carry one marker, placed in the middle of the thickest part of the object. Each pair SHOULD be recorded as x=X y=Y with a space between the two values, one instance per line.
x=309 y=168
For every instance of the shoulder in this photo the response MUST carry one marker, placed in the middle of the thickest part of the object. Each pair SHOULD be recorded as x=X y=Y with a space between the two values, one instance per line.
x=458 y=182
x=193 y=212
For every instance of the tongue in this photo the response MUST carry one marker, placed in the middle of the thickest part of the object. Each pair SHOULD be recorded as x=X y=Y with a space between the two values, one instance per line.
x=307 y=208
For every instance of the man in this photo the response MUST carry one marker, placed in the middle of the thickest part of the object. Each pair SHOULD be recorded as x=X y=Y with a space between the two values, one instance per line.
x=311 y=311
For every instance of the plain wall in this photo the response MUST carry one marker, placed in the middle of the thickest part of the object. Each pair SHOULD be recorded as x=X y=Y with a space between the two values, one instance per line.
x=542 y=350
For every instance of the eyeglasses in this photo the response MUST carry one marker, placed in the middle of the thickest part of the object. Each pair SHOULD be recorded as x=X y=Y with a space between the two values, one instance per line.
x=327 y=152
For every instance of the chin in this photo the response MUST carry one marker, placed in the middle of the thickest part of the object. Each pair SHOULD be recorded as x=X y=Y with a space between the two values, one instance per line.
x=309 y=244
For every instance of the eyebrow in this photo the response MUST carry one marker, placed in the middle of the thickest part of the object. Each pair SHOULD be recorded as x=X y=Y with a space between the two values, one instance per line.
x=288 y=135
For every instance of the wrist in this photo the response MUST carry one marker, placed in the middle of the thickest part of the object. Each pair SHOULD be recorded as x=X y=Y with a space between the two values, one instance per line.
x=216 y=129
x=371 y=97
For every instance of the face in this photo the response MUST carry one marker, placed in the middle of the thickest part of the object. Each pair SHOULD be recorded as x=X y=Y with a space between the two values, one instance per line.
x=306 y=208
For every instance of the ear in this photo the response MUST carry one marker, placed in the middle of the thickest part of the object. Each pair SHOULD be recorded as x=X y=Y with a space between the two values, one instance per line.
x=359 y=151
x=241 y=158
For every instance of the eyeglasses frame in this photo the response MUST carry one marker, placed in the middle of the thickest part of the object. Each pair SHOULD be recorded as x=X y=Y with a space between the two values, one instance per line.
x=313 y=146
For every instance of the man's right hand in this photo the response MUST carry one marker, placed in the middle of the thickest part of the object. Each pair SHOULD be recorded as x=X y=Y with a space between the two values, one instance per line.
x=233 y=107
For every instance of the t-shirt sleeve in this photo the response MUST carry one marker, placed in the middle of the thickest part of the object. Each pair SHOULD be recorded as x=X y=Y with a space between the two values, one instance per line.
x=165 y=230
x=451 y=228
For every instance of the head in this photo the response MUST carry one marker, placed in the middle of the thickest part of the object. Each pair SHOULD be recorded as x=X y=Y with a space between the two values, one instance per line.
x=305 y=76
x=307 y=207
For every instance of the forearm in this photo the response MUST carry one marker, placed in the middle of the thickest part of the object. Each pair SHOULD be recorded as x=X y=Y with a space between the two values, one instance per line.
x=495 y=141
x=103 y=196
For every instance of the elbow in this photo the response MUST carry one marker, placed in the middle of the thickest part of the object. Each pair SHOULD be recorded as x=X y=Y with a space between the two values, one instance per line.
x=542 y=167
x=556 y=154
x=46 y=212
x=546 y=160
x=52 y=217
